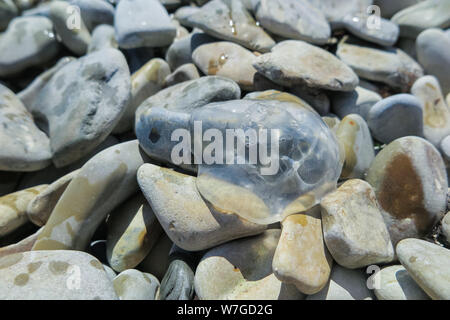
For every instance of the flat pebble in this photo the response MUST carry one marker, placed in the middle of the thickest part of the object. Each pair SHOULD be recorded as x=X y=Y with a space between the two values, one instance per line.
x=396 y=284
x=398 y=116
x=27 y=42
x=242 y=270
x=143 y=23
x=185 y=216
x=49 y=275
x=353 y=226
x=410 y=183
x=427 y=263
x=132 y=284
x=320 y=68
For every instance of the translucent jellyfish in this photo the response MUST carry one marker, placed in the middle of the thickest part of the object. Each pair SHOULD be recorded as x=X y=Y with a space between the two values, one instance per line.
x=260 y=159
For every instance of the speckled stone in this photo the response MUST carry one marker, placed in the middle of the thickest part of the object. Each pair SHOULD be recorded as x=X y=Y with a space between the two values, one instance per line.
x=76 y=39
x=143 y=23
x=184 y=215
x=427 y=263
x=390 y=66
x=421 y=16
x=28 y=41
x=31 y=92
x=54 y=275
x=132 y=232
x=229 y=20
x=24 y=146
x=293 y=19
x=410 y=183
x=344 y=284
x=397 y=116
x=40 y=208
x=354 y=134
x=228 y=60
x=432 y=46
x=320 y=68
x=359 y=101
x=132 y=284
x=353 y=227
x=145 y=82
x=101 y=83
x=436 y=112
x=103 y=37
x=396 y=284
x=103 y=183
x=242 y=270
x=178 y=282
x=301 y=257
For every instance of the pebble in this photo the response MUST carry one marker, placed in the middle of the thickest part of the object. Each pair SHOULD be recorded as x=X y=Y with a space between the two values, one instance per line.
x=354 y=134
x=41 y=207
x=436 y=113
x=446 y=227
x=294 y=19
x=183 y=73
x=389 y=7
x=103 y=183
x=301 y=257
x=54 y=275
x=132 y=284
x=410 y=183
x=132 y=232
x=31 y=92
x=230 y=21
x=95 y=12
x=336 y=10
x=101 y=83
x=103 y=37
x=143 y=23
x=24 y=146
x=421 y=16
x=317 y=98
x=353 y=226
x=242 y=270
x=390 y=66
x=358 y=24
x=228 y=60
x=157 y=261
x=396 y=284
x=27 y=42
x=189 y=222
x=145 y=82
x=182 y=15
x=320 y=69
x=178 y=282
x=344 y=284
x=432 y=46
x=397 y=116
x=8 y=11
x=427 y=263
x=359 y=101
x=76 y=37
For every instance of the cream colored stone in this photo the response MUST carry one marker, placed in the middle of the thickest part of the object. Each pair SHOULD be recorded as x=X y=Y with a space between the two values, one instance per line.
x=185 y=216
x=301 y=257
x=242 y=270
x=132 y=232
x=132 y=284
x=353 y=227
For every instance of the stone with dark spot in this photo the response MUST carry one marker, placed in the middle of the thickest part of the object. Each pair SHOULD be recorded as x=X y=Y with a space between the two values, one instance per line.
x=82 y=103
x=53 y=275
x=410 y=183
